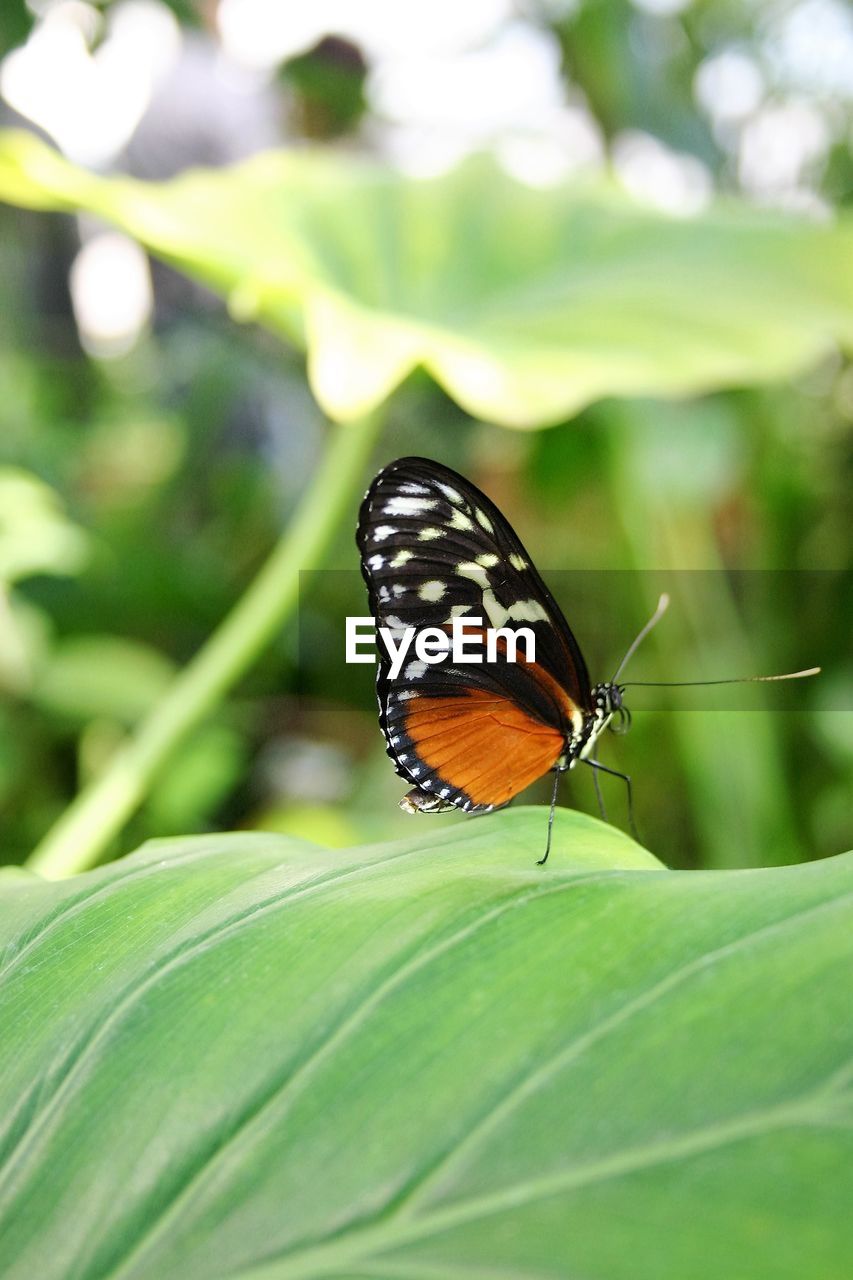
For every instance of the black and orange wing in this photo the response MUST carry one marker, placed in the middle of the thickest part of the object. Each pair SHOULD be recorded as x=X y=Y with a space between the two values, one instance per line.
x=433 y=548
x=471 y=750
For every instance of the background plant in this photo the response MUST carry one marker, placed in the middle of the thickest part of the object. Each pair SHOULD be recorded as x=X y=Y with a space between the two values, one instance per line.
x=180 y=458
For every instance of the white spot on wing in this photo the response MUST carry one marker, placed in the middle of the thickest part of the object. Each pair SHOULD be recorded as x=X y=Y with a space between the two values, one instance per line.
x=383 y=531
x=517 y=561
x=395 y=625
x=483 y=519
x=432 y=591
x=518 y=611
x=489 y=560
x=415 y=670
x=474 y=573
x=497 y=614
x=376 y=562
x=407 y=506
x=426 y=535
x=450 y=493
x=459 y=520
x=400 y=559
x=528 y=611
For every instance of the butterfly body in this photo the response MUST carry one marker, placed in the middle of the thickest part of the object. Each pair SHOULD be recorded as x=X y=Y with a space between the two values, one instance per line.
x=435 y=549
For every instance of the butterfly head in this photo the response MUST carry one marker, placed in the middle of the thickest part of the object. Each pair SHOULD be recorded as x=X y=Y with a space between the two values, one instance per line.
x=607 y=711
x=608 y=708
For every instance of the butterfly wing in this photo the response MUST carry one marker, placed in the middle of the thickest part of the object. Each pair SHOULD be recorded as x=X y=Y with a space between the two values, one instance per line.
x=434 y=548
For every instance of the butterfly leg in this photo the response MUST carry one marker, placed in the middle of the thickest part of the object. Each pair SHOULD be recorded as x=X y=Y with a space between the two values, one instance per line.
x=540 y=862
x=601 y=809
x=596 y=765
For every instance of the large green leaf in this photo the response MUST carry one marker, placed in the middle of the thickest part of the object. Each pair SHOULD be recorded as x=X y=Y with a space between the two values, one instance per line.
x=244 y=1056
x=525 y=304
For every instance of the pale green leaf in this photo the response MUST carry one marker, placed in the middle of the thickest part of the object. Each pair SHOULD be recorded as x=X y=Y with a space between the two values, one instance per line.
x=525 y=304
x=36 y=537
x=92 y=676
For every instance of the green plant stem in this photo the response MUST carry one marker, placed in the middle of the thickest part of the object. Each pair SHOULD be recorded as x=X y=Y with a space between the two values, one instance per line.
x=100 y=811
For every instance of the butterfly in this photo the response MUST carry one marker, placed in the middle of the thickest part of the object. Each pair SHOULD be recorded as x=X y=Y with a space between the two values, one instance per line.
x=473 y=735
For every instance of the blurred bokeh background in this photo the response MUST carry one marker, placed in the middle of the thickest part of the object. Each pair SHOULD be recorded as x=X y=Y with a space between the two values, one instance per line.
x=151 y=450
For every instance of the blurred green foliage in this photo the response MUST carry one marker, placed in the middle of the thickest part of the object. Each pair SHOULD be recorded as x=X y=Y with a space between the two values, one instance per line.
x=157 y=481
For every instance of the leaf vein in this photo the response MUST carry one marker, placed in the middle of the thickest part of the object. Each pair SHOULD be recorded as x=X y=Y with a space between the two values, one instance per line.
x=295 y=1081
x=529 y=1084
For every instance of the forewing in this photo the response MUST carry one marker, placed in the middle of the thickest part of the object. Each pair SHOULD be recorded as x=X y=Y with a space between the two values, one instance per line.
x=435 y=548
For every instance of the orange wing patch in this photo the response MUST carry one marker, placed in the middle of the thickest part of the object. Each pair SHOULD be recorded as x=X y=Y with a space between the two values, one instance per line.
x=481 y=744
x=555 y=691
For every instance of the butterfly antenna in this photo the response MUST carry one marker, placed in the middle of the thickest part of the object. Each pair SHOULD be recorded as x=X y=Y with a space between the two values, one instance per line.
x=683 y=684
x=663 y=605
x=541 y=861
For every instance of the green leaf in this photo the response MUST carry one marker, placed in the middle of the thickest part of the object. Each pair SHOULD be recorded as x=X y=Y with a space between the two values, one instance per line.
x=35 y=535
x=91 y=676
x=525 y=304
x=246 y=1056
